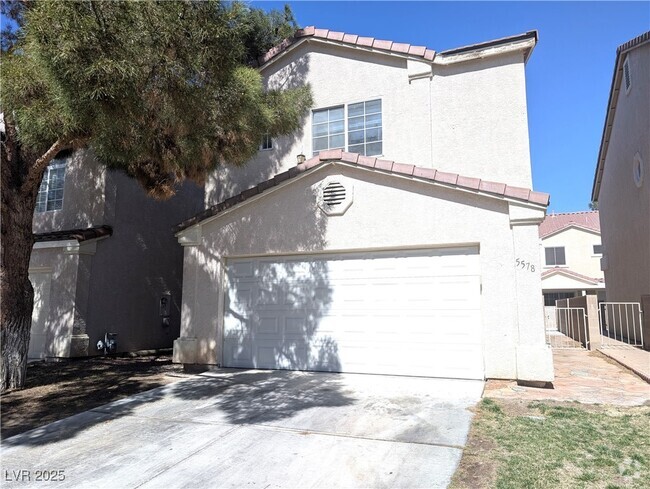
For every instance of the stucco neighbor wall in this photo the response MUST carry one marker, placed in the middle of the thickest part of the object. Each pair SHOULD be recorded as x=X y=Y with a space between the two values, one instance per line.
x=138 y=264
x=579 y=251
x=388 y=212
x=116 y=286
x=62 y=268
x=468 y=118
x=625 y=208
x=83 y=196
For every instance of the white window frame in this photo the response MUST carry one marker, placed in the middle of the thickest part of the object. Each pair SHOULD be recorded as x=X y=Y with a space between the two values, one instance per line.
x=45 y=187
x=266 y=137
x=555 y=264
x=346 y=130
x=596 y=253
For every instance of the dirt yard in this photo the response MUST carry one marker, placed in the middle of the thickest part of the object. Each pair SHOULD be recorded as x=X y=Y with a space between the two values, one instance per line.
x=60 y=389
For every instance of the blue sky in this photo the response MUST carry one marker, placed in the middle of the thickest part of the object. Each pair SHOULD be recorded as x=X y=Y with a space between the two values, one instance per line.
x=568 y=75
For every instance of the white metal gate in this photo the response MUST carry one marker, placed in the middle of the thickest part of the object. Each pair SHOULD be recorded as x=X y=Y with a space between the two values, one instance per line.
x=569 y=330
x=621 y=324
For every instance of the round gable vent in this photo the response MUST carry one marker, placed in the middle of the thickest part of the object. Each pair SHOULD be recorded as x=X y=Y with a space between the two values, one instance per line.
x=334 y=195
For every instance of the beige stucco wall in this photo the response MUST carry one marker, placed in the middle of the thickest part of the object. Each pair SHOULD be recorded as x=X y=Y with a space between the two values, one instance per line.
x=63 y=268
x=624 y=208
x=579 y=251
x=83 y=196
x=468 y=118
x=387 y=212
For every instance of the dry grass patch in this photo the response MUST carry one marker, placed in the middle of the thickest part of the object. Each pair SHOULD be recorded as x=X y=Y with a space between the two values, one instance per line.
x=514 y=444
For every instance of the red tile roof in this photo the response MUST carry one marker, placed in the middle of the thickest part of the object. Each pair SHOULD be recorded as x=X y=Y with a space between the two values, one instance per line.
x=380 y=45
x=428 y=174
x=557 y=222
x=77 y=234
x=566 y=271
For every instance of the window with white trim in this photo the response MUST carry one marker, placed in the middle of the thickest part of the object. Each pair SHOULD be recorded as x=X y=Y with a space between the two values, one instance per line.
x=267 y=142
x=555 y=256
x=357 y=127
x=50 y=194
x=598 y=249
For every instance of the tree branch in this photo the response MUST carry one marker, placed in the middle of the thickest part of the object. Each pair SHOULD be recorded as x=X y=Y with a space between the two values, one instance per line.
x=35 y=173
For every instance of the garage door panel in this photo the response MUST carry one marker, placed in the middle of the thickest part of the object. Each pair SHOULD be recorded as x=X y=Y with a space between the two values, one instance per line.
x=407 y=312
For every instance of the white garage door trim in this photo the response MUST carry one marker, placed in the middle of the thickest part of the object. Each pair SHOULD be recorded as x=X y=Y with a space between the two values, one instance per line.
x=403 y=312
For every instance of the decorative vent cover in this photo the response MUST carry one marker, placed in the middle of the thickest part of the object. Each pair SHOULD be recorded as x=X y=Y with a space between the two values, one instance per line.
x=333 y=194
x=626 y=75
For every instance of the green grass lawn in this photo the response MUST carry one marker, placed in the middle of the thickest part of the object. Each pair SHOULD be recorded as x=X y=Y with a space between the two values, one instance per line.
x=514 y=444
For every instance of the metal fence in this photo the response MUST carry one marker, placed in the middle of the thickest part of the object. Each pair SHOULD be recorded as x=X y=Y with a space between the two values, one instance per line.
x=621 y=324
x=569 y=329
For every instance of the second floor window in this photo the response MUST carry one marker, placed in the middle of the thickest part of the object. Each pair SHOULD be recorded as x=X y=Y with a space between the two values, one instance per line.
x=50 y=194
x=598 y=249
x=357 y=127
x=555 y=256
x=267 y=142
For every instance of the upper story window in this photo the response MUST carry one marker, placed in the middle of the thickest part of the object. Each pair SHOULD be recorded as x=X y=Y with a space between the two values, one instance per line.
x=50 y=194
x=267 y=142
x=555 y=256
x=361 y=122
x=598 y=249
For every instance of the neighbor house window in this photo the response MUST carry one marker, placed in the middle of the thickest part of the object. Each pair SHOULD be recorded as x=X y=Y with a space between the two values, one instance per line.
x=598 y=249
x=357 y=127
x=555 y=256
x=267 y=142
x=50 y=194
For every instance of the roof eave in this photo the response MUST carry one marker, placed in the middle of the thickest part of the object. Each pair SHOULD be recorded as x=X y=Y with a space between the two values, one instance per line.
x=611 y=108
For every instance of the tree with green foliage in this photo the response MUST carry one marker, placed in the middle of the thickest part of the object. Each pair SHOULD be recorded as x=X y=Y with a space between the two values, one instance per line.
x=164 y=91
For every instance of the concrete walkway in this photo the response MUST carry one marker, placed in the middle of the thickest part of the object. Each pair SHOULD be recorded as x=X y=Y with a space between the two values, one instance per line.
x=636 y=359
x=582 y=376
x=246 y=428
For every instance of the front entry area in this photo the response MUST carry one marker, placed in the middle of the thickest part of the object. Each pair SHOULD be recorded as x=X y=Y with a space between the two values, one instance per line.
x=405 y=312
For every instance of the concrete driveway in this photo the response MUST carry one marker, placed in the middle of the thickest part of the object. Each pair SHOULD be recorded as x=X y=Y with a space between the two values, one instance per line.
x=251 y=428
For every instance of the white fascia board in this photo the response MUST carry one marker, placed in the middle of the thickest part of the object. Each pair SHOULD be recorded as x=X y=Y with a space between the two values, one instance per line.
x=71 y=246
x=442 y=59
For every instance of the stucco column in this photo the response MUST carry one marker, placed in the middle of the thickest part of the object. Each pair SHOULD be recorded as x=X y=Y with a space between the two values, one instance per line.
x=185 y=347
x=200 y=309
x=534 y=356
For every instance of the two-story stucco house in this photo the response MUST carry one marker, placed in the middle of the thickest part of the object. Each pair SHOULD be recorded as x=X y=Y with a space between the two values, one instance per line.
x=622 y=180
x=104 y=261
x=395 y=233
x=571 y=253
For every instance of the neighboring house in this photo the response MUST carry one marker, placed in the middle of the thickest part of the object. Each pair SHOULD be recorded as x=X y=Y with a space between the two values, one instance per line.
x=405 y=241
x=622 y=180
x=571 y=252
x=103 y=261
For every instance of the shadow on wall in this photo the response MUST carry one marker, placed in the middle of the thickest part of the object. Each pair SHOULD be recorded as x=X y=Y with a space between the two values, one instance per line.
x=231 y=180
x=272 y=310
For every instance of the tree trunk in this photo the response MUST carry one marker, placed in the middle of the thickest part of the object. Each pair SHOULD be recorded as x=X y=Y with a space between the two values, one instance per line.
x=21 y=175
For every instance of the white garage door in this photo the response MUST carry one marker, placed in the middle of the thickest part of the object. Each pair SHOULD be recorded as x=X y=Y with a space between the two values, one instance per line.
x=399 y=313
